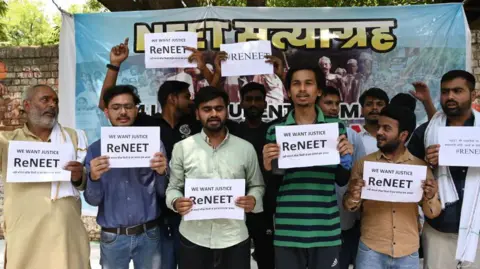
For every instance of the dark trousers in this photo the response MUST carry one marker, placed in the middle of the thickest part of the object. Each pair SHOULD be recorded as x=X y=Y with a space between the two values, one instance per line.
x=260 y=228
x=192 y=256
x=348 y=252
x=311 y=258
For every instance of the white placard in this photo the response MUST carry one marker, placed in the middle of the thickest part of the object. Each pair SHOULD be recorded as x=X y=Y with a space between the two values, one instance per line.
x=214 y=198
x=130 y=147
x=393 y=182
x=308 y=145
x=38 y=161
x=246 y=58
x=167 y=50
x=459 y=146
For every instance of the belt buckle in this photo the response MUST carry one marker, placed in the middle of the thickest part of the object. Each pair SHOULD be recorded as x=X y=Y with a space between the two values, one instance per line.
x=126 y=230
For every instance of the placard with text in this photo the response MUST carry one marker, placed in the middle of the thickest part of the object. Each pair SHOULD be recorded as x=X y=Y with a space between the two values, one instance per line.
x=247 y=58
x=38 y=161
x=308 y=145
x=393 y=182
x=459 y=146
x=129 y=147
x=165 y=50
x=214 y=198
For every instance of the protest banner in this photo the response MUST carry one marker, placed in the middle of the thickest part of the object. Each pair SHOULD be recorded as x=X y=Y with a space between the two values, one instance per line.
x=38 y=161
x=214 y=198
x=307 y=145
x=393 y=182
x=129 y=147
x=366 y=46
x=165 y=50
x=247 y=58
x=459 y=146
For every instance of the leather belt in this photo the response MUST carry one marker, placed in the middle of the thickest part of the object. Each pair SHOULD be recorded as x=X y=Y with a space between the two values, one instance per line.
x=133 y=230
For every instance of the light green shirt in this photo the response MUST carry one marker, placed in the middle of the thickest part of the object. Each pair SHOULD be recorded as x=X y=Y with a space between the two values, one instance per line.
x=234 y=158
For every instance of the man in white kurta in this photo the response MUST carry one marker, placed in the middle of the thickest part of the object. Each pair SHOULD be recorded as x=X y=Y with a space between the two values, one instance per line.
x=43 y=226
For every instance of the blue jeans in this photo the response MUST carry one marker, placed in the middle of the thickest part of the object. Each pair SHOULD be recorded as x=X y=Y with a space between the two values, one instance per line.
x=370 y=259
x=144 y=249
x=170 y=243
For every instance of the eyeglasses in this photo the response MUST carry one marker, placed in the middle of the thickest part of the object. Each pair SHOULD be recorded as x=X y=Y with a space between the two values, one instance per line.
x=117 y=107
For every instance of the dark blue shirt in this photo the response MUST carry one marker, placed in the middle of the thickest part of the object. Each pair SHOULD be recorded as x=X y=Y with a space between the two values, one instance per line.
x=449 y=219
x=125 y=196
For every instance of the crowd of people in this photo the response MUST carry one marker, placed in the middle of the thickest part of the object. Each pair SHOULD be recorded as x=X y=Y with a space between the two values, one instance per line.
x=298 y=218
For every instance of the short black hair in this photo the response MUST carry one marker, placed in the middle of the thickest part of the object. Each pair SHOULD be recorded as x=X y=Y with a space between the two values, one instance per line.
x=319 y=76
x=170 y=87
x=252 y=86
x=329 y=90
x=405 y=117
x=113 y=91
x=208 y=93
x=405 y=100
x=453 y=74
x=375 y=93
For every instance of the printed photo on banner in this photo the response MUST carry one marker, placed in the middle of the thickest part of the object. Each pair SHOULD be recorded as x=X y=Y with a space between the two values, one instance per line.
x=38 y=161
x=393 y=182
x=166 y=50
x=214 y=198
x=247 y=58
x=459 y=146
x=130 y=147
x=308 y=145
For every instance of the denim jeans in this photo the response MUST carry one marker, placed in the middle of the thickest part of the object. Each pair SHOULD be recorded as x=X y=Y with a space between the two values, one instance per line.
x=370 y=259
x=144 y=249
x=170 y=244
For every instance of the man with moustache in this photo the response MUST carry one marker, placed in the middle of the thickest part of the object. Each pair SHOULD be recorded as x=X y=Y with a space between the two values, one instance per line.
x=372 y=102
x=307 y=222
x=253 y=129
x=176 y=124
x=43 y=226
x=389 y=230
x=450 y=240
x=332 y=79
x=128 y=198
x=214 y=154
x=329 y=102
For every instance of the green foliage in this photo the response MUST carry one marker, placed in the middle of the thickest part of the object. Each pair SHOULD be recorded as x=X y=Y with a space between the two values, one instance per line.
x=3 y=27
x=26 y=24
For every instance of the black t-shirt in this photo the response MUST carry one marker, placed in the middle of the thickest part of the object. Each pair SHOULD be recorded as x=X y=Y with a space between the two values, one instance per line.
x=186 y=127
x=449 y=219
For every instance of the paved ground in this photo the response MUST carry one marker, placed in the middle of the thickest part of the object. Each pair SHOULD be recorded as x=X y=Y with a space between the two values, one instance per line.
x=94 y=255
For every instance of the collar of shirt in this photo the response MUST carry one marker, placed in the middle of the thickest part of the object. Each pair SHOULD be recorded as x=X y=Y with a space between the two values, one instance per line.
x=207 y=139
x=364 y=132
x=29 y=133
x=469 y=122
x=405 y=157
x=290 y=120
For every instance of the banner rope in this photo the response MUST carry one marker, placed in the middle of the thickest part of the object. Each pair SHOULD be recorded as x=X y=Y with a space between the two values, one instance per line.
x=61 y=10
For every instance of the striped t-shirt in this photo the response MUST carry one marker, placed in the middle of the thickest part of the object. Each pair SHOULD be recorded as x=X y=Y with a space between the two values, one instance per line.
x=307 y=211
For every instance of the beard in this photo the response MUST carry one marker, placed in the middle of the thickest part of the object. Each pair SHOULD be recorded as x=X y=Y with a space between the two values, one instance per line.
x=37 y=117
x=457 y=110
x=214 y=128
x=389 y=146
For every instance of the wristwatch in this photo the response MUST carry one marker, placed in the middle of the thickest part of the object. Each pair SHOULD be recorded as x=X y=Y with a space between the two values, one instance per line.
x=113 y=67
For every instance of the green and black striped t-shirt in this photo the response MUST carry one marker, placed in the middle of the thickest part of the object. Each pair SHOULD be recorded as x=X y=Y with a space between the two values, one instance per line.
x=307 y=211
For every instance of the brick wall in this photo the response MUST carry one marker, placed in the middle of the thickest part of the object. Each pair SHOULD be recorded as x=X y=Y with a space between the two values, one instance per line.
x=21 y=67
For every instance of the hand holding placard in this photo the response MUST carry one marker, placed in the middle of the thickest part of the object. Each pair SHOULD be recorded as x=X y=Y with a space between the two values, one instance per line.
x=270 y=151
x=76 y=170
x=183 y=206
x=98 y=167
x=344 y=146
x=159 y=163
x=246 y=202
x=355 y=189
x=431 y=155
